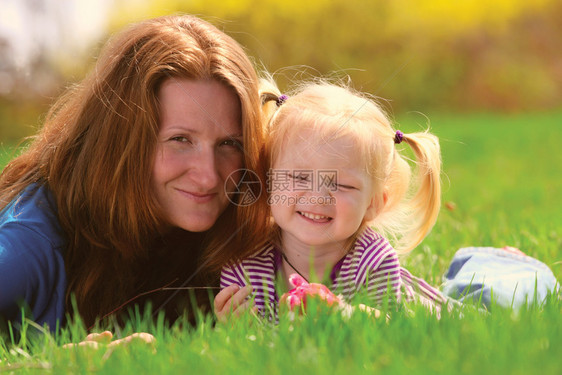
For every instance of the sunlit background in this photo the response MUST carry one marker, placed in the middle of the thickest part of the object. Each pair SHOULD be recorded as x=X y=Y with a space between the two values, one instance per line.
x=424 y=55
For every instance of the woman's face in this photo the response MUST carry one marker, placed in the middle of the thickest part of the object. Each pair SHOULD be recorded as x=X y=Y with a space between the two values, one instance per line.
x=199 y=146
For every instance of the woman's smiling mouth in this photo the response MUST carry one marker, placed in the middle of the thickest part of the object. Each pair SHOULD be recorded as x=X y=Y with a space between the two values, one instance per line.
x=197 y=197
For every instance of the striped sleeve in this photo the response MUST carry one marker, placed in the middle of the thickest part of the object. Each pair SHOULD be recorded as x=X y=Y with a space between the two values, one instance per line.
x=372 y=264
x=383 y=280
x=258 y=271
x=418 y=290
x=232 y=275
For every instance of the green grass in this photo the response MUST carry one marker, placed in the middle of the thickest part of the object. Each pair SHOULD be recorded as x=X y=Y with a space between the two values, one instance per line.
x=7 y=152
x=502 y=172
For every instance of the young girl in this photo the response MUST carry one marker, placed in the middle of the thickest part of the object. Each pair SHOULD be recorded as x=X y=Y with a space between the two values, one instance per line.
x=339 y=187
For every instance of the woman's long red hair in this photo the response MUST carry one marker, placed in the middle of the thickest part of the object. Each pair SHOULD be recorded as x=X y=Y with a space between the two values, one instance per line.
x=96 y=149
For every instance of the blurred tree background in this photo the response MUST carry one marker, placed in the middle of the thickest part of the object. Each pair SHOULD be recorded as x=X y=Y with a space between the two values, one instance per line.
x=442 y=55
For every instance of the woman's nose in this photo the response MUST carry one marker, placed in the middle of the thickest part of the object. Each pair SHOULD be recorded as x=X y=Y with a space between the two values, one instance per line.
x=204 y=168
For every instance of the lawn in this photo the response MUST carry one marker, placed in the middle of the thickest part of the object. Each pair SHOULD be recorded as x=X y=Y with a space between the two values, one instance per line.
x=502 y=177
x=501 y=186
x=7 y=152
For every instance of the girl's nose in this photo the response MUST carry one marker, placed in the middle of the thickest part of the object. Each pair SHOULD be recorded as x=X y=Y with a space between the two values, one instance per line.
x=324 y=190
x=326 y=183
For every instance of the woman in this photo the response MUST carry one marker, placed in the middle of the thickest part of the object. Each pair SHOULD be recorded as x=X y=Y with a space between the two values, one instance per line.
x=124 y=189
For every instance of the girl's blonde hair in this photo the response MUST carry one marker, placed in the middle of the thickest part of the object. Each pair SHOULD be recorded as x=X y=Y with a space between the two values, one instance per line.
x=407 y=209
x=96 y=150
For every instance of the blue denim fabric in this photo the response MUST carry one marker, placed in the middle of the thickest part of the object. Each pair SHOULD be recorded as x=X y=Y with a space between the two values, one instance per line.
x=494 y=276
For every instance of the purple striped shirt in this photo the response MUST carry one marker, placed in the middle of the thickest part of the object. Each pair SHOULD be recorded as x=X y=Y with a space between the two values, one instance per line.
x=372 y=264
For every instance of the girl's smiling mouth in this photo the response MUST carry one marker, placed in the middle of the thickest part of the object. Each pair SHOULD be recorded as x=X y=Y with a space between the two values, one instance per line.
x=315 y=217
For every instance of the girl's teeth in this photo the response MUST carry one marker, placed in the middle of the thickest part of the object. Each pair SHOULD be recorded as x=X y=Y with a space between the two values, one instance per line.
x=313 y=216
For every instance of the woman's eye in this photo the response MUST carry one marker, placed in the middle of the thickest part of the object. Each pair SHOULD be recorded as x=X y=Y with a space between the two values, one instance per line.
x=180 y=139
x=232 y=143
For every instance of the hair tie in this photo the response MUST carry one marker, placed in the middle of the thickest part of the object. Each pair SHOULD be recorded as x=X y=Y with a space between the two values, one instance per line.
x=281 y=99
x=398 y=137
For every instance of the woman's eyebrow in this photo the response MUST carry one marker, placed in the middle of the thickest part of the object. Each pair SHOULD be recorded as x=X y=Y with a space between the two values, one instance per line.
x=183 y=128
x=236 y=135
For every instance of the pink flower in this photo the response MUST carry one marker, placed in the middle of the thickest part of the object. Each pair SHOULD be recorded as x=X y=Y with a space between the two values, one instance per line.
x=297 y=296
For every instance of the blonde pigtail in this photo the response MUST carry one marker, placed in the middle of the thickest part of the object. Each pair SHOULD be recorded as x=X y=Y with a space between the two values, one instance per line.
x=426 y=201
x=271 y=99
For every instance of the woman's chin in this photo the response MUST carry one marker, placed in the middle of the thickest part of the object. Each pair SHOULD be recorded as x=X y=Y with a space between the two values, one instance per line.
x=201 y=226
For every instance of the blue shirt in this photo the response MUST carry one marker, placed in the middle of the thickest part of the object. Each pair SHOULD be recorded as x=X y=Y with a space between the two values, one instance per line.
x=32 y=247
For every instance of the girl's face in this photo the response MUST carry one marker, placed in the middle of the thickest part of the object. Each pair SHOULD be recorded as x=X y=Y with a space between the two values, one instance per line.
x=320 y=194
x=199 y=146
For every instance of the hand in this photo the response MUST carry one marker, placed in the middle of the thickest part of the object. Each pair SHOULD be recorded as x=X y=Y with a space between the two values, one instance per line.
x=371 y=311
x=94 y=340
x=297 y=296
x=232 y=301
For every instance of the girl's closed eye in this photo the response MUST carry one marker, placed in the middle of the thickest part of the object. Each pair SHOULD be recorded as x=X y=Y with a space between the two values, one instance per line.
x=302 y=181
x=299 y=177
x=345 y=187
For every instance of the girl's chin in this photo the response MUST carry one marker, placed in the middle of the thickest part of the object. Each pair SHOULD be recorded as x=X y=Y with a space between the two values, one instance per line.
x=315 y=241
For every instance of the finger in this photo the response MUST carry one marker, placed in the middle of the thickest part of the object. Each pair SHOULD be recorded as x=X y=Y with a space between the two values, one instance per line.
x=237 y=301
x=370 y=310
x=221 y=316
x=140 y=336
x=224 y=296
x=91 y=344
x=242 y=308
x=240 y=297
x=105 y=336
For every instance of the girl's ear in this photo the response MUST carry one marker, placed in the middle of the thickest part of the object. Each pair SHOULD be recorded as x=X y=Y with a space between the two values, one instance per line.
x=376 y=207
